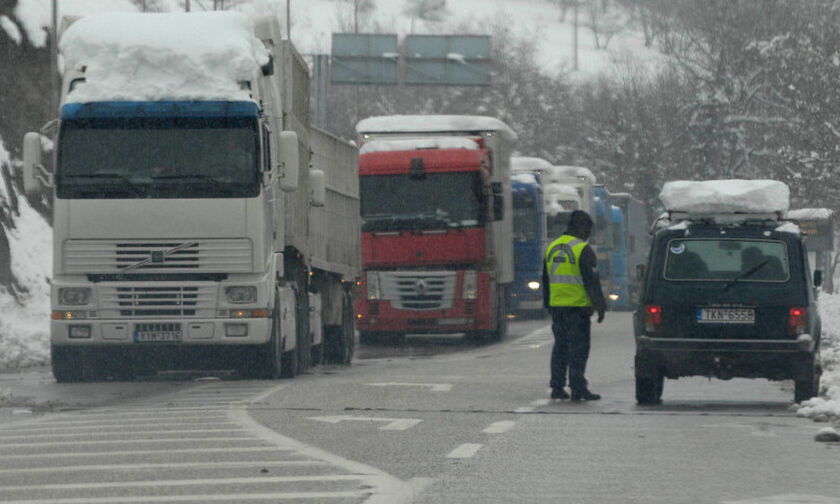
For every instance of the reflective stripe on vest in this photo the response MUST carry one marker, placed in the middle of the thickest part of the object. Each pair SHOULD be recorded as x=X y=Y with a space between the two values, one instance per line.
x=565 y=279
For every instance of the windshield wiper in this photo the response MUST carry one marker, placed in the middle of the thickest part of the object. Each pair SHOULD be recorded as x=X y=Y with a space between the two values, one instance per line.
x=109 y=175
x=745 y=274
x=199 y=176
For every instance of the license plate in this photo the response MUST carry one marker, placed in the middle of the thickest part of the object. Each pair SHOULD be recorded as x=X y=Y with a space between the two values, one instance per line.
x=157 y=336
x=726 y=315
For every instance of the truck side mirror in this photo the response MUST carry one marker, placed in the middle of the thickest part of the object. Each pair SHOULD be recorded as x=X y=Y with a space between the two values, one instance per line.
x=288 y=166
x=268 y=68
x=498 y=201
x=317 y=188
x=640 y=272
x=818 y=278
x=498 y=207
x=35 y=175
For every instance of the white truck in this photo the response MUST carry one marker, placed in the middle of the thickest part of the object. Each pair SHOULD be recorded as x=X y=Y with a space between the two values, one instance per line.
x=199 y=221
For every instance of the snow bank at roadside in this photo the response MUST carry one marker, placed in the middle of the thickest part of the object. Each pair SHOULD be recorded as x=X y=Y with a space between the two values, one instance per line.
x=827 y=406
x=24 y=325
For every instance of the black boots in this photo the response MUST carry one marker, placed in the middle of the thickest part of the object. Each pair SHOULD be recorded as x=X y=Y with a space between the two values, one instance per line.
x=584 y=395
x=559 y=393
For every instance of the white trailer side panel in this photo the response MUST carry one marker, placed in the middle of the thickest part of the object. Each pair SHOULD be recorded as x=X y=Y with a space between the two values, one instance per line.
x=335 y=234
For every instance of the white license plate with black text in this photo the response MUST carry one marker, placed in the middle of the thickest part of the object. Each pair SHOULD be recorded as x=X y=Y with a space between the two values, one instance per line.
x=726 y=315
x=157 y=336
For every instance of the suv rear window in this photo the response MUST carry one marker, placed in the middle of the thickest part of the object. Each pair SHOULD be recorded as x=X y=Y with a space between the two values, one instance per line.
x=718 y=259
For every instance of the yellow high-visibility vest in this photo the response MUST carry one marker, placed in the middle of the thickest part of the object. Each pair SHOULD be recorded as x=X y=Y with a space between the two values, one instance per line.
x=562 y=260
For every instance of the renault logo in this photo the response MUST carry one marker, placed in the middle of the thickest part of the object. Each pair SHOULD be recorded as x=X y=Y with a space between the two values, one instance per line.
x=420 y=287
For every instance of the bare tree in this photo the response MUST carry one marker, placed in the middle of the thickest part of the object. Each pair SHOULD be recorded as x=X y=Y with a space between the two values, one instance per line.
x=604 y=22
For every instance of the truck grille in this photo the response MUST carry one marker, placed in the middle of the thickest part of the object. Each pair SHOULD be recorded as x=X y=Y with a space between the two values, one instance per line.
x=157 y=256
x=158 y=301
x=418 y=290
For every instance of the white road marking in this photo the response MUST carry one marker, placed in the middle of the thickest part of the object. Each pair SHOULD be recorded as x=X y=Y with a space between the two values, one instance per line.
x=392 y=423
x=466 y=450
x=499 y=427
x=182 y=483
x=541 y=402
x=788 y=499
x=168 y=427
x=122 y=434
x=171 y=465
x=434 y=387
x=229 y=449
x=127 y=441
x=200 y=498
x=524 y=409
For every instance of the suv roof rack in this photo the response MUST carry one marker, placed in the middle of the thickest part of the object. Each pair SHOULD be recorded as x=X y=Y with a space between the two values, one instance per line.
x=673 y=218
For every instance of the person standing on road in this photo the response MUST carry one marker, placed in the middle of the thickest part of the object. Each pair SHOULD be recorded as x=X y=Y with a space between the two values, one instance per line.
x=572 y=293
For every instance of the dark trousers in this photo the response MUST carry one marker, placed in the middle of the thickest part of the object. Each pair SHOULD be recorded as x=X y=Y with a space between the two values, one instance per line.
x=571 y=328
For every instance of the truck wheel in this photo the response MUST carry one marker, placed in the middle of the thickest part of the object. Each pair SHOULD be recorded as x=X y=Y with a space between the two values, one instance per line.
x=289 y=363
x=649 y=383
x=340 y=340
x=265 y=362
x=809 y=385
x=68 y=364
x=303 y=348
x=317 y=354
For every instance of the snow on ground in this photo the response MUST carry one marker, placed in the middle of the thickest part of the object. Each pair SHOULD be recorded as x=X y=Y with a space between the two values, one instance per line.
x=24 y=330
x=314 y=21
x=827 y=406
x=133 y=57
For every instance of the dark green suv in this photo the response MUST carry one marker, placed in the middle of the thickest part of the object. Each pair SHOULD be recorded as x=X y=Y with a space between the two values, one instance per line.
x=725 y=301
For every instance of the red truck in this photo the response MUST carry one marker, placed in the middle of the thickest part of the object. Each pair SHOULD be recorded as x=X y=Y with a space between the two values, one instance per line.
x=437 y=234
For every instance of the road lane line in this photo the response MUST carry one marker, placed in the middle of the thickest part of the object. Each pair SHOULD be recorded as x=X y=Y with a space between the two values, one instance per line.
x=434 y=387
x=524 y=409
x=499 y=427
x=130 y=441
x=466 y=450
x=183 y=483
x=186 y=451
x=171 y=465
x=200 y=498
x=123 y=434
x=541 y=402
x=169 y=427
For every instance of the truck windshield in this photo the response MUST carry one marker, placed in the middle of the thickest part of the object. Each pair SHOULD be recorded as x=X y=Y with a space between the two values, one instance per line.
x=158 y=158
x=725 y=260
x=433 y=201
x=524 y=217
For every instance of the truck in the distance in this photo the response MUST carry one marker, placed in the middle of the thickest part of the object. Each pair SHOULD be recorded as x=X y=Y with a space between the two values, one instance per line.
x=437 y=234
x=189 y=228
x=529 y=239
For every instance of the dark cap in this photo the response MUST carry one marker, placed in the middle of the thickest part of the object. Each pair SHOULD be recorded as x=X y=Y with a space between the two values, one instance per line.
x=580 y=224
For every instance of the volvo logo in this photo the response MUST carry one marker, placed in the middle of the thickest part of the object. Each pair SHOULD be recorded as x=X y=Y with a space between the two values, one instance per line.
x=420 y=287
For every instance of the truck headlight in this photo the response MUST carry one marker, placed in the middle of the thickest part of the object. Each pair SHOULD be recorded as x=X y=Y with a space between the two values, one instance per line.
x=372 y=285
x=470 y=288
x=73 y=296
x=241 y=294
x=533 y=285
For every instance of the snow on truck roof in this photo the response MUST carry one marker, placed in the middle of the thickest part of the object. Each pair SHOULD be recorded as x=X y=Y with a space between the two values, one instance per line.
x=725 y=196
x=410 y=144
x=524 y=178
x=533 y=164
x=560 y=172
x=433 y=124
x=154 y=57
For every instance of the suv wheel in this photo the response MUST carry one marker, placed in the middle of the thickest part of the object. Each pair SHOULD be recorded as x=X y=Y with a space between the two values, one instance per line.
x=649 y=382
x=809 y=385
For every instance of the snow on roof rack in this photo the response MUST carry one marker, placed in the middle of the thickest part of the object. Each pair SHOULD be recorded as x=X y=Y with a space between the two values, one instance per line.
x=742 y=198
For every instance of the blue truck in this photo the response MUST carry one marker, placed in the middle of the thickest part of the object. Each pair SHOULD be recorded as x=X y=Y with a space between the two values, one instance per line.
x=529 y=240
x=631 y=240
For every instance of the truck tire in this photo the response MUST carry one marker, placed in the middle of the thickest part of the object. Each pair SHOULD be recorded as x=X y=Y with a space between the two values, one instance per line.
x=649 y=382
x=303 y=348
x=266 y=361
x=68 y=364
x=808 y=386
x=289 y=363
x=340 y=340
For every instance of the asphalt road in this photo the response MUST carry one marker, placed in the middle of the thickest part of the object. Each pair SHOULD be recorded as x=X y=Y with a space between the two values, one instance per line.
x=435 y=421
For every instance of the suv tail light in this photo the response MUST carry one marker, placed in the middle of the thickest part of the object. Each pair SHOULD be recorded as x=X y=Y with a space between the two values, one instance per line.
x=653 y=318
x=797 y=321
